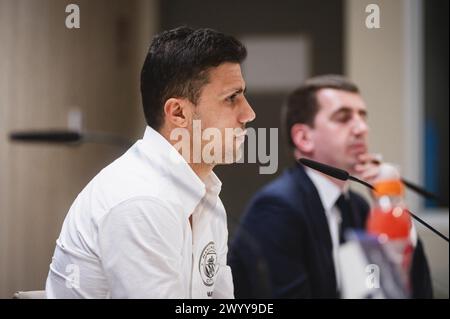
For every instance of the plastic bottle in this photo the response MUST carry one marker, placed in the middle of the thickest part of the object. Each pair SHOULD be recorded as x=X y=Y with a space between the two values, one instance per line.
x=390 y=222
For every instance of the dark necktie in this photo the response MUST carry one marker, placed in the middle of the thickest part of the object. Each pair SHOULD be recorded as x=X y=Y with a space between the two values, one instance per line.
x=347 y=217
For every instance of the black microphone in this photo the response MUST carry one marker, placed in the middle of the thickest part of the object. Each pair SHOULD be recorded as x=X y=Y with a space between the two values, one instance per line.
x=69 y=137
x=48 y=136
x=332 y=171
x=326 y=169
x=421 y=191
x=344 y=175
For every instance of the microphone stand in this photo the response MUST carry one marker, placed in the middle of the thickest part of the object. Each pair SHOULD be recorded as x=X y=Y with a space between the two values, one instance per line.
x=344 y=175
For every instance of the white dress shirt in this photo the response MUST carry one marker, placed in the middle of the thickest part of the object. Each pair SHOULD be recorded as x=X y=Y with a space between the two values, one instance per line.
x=329 y=194
x=128 y=234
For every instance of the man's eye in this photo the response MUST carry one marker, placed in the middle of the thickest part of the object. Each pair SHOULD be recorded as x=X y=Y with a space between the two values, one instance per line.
x=364 y=117
x=232 y=98
x=343 y=118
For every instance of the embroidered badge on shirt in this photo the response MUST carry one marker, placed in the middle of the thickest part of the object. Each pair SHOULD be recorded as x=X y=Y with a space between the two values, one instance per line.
x=208 y=265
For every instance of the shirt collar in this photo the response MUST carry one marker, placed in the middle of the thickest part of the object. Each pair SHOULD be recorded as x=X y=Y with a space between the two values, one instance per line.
x=328 y=191
x=169 y=162
x=213 y=184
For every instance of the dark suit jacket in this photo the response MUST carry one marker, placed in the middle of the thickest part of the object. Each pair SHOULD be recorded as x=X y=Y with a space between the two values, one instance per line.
x=283 y=248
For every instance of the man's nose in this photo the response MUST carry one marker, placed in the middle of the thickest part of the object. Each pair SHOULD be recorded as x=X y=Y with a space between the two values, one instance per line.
x=247 y=113
x=360 y=126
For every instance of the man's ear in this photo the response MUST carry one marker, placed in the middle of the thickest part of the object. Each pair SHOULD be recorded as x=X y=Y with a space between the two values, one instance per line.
x=301 y=135
x=176 y=112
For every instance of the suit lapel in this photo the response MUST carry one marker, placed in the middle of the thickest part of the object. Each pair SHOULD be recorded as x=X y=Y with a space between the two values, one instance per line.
x=321 y=238
x=315 y=211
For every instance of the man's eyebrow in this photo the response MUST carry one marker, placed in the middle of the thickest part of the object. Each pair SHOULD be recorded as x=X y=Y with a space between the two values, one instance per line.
x=342 y=109
x=347 y=109
x=240 y=90
x=235 y=91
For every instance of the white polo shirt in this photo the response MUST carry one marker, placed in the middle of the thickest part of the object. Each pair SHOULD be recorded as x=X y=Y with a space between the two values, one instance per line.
x=128 y=235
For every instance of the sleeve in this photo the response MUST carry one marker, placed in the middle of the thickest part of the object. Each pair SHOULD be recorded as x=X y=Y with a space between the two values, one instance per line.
x=140 y=244
x=223 y=288
x=267 y=256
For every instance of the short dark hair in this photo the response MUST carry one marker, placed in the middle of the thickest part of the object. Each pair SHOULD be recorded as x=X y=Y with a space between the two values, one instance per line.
x=302 y=106
x=177 y=65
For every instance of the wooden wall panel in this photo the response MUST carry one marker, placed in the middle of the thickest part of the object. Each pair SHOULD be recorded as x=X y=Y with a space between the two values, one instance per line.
x=45 y=71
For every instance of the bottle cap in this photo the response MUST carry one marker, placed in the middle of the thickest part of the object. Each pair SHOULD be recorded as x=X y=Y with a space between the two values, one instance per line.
x=390 y=187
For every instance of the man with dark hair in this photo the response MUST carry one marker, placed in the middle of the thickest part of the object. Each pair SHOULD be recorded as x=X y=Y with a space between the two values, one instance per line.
x=288 y=241
x=151 y=224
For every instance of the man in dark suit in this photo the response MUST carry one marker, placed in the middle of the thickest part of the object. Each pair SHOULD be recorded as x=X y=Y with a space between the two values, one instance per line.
x=288 y=240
